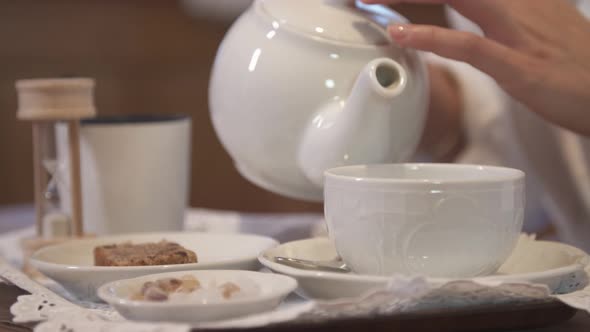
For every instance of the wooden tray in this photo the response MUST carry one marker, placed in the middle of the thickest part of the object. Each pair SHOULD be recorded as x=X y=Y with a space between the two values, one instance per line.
x=501 y=318
x=496 y=318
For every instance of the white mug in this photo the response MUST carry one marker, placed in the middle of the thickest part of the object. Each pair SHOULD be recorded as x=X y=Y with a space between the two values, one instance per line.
x=135 y=173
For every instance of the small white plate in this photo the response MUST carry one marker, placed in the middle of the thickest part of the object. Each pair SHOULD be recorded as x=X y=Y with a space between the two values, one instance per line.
x=72 y=264
x=559 y=266
x=272 y=289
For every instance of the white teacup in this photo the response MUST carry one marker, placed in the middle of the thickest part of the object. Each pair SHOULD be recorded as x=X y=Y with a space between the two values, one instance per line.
x=437 y=220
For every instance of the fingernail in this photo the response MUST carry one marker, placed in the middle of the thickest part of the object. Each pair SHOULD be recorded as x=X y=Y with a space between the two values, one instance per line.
x=398 y=32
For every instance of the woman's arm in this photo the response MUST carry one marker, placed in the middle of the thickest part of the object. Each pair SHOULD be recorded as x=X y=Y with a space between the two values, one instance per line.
x=444 y=137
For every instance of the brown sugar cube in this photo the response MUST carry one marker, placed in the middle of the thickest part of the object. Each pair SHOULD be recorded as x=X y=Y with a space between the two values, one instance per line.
x=145 y=254
x=229 y=289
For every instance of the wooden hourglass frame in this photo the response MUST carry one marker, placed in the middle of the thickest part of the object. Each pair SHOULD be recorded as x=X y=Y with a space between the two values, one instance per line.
x=45 y=102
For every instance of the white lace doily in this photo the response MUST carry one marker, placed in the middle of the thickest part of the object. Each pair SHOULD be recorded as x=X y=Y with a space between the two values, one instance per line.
x=402 y=295
x=56 y=310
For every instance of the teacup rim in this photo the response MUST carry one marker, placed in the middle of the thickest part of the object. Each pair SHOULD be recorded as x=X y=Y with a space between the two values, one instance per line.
x=511 y=175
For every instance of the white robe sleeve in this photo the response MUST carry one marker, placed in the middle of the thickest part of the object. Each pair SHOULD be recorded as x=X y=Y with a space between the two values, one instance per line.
x=490 y=133
x=483 y=104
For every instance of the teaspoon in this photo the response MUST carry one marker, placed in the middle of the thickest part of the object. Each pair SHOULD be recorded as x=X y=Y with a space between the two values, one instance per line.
x=330 y=266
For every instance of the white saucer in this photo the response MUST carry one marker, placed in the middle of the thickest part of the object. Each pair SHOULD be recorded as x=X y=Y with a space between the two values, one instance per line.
x=271 y=290
x=71 y=264
x=559 y=266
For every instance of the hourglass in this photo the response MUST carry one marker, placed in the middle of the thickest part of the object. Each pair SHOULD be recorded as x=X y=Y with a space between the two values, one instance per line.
x=44 y=102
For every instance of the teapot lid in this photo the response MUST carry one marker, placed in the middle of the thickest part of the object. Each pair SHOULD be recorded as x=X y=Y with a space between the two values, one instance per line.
x=345 y=21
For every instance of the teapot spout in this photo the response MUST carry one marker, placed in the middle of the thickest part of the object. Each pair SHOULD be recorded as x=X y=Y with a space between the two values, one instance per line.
x=359 y=129
x=380 y=81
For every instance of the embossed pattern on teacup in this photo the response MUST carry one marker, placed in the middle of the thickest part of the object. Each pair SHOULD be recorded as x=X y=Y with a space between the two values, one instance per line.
x=437 y=247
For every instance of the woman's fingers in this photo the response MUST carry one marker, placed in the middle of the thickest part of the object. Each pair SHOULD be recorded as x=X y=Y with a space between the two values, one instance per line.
x=489 y=56
x=488 y=14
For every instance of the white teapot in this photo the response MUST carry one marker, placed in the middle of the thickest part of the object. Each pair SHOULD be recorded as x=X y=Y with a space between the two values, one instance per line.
x=300 y=86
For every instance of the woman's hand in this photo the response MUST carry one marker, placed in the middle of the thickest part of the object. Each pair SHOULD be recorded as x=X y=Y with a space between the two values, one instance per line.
x=537 y=50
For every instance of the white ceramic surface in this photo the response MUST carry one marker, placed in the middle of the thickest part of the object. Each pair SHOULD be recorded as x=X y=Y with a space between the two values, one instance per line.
x=72 y=264
x=273 y=289
x=135 y=173
x=550 y=263
x=438 y=220
x=302 y=86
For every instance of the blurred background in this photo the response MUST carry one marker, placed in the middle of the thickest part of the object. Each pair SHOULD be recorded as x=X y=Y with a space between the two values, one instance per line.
x=147 y=56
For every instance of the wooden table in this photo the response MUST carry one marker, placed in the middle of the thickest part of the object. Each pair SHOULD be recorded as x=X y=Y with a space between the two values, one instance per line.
x=8 y=295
